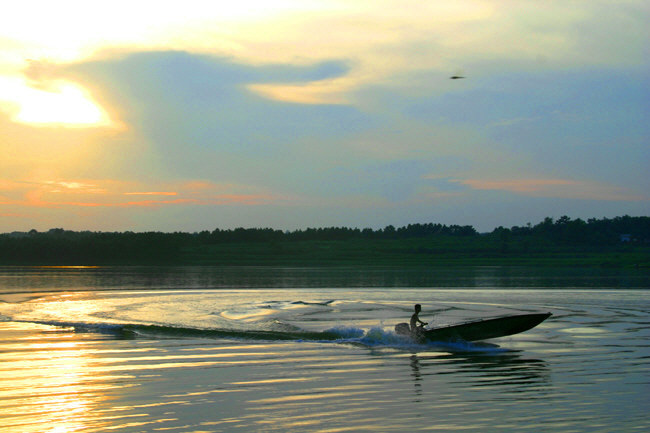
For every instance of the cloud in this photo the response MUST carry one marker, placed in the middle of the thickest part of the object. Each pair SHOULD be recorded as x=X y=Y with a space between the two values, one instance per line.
x=110 y=193
x=143 y=203
x=559 y=188
x=520 y=185
x=386 y=42
x=198 y=117
x=514 y=121
x=74 y=187
x=151 y=193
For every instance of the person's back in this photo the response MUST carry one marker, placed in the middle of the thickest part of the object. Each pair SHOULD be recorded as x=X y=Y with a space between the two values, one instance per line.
x=414 y=321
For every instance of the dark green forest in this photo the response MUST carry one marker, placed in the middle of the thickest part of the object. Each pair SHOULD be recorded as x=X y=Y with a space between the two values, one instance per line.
x=607 y=242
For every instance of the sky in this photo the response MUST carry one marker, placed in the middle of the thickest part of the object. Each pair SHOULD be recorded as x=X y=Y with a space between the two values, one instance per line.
x=196 y=115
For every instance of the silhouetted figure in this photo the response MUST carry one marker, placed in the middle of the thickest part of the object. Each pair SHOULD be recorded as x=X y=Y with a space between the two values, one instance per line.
x=414 y=331
x=415 y=319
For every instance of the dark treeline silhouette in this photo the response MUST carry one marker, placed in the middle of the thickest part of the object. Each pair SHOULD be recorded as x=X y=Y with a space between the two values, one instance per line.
x=336 y=233
x=59 y=246
x=592 y=232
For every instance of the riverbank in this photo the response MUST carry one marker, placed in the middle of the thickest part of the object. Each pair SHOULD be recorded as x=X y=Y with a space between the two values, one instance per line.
x=415 y=252
x=412 y=252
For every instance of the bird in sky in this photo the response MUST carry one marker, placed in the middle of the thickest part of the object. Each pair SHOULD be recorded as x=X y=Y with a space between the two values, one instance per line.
x=458 y=75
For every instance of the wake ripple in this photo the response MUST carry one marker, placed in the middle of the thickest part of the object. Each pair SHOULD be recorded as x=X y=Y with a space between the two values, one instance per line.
x=374 y=337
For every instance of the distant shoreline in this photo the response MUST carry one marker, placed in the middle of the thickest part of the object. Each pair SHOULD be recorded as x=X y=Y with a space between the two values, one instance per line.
x=622 y=242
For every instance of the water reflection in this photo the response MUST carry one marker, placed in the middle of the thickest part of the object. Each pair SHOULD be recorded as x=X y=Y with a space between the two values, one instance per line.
x=503 y=372
x=51 y=387
x=417 y=377
x=25 y=279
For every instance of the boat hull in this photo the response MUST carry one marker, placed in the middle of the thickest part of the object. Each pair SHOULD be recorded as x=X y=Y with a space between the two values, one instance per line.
x=484 y=329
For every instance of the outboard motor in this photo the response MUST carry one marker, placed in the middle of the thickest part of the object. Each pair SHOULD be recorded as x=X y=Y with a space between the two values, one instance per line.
x=403 y=329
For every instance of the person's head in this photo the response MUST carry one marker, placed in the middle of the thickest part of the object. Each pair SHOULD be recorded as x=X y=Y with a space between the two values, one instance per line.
x=418 y=308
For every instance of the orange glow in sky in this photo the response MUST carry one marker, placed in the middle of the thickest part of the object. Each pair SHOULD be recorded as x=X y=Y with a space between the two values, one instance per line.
x=303 y=113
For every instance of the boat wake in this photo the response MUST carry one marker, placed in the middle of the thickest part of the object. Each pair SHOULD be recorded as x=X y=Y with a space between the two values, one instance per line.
x=373 y=337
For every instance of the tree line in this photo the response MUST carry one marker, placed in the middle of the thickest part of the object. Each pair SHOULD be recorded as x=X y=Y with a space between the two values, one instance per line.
x=85 y=247
x=605 y=231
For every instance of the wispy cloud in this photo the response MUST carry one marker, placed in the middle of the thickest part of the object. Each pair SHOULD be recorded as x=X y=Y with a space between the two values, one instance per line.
x=74 y=187
x=559 y=188
x=144 y=203
x=152 y=193
x=518 y=185
x=514 y=121
x=109 y=193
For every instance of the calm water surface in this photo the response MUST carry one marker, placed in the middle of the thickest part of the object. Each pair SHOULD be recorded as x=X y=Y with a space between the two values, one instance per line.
x=201 y=349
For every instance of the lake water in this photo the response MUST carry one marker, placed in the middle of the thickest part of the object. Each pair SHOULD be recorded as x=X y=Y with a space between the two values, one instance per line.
x=208 y=349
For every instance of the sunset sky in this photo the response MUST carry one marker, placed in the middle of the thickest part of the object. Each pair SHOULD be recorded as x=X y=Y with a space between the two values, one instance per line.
x=193 y=115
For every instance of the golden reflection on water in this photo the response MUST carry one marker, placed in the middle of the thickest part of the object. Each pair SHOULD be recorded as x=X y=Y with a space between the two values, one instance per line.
x=48 y=385
x=49 y=381
x=56 y=379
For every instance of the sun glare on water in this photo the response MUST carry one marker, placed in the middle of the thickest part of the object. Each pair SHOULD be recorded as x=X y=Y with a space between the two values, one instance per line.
x=63 y=103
